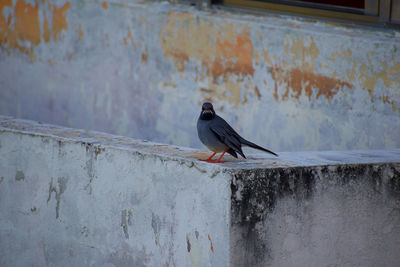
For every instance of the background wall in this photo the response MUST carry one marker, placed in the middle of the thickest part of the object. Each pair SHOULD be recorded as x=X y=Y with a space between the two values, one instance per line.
x=142 y=69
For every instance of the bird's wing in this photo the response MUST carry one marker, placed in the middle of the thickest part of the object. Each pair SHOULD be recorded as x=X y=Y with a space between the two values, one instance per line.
x=224 y=132
x=232 y=152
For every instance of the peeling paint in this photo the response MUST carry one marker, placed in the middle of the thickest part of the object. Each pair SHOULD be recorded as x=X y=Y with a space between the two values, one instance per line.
x=223 y=52
x=59 y=20
x=268 y=67
x=301 y=82
x=390 y=76
x=194 y=248
x=302 y=79
x=21 y=29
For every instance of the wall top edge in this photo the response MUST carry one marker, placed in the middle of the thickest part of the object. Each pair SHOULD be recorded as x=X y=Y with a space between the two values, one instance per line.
x=255 y=159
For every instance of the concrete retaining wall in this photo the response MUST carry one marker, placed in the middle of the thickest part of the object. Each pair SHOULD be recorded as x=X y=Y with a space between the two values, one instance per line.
x=143 y=68
x=77 y=198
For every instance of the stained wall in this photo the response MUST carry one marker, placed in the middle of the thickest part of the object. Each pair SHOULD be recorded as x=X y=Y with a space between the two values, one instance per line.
x=142 y=69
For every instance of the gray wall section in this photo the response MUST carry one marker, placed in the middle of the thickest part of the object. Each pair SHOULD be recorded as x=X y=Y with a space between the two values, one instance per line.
x=71 y=197
x=338 y=215
x=142 y=69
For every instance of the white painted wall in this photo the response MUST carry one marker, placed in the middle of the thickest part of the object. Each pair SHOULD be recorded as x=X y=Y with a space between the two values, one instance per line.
x=62 y=204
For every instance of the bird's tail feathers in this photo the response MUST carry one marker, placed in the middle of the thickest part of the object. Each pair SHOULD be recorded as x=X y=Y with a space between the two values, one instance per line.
x=250 y=144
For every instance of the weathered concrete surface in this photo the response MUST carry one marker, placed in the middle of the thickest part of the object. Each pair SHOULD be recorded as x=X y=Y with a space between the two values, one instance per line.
x=338 y=215
x=143 y=68
x=71 y=197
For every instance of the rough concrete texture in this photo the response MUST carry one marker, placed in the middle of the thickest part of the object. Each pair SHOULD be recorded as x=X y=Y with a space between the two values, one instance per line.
x=68 y=199
x=71 y=197
x=143 y=68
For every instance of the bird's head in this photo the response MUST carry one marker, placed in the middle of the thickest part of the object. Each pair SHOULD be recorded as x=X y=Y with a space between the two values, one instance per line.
x=207 y=111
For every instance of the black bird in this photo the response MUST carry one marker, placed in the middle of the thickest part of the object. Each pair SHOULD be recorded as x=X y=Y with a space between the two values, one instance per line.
x=216 y=134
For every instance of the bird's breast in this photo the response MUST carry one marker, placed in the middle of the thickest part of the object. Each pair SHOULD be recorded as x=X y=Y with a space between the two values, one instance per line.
x=208 y=138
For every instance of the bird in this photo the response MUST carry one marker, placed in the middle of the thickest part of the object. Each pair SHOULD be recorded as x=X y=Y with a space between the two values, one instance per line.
x=218 y=136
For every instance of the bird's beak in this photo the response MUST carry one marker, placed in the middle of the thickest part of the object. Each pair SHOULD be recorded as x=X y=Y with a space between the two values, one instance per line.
x=207 y=111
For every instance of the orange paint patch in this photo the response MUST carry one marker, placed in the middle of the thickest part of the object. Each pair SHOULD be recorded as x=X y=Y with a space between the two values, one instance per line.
x=304 y=82
x=46 y=30
x=369 y=78
x=221 y=53
x=222 y=50
x=302 y=78
x=105 y=5
x=131 y=38
x=23 y=27
x=80 y=32
x=211 y=244
x=22 y=30
x=257 y=92
x=206 y=90
x=59 y=19
x=234 y=57
x=27 y=22
x=387 y=100
x=145 y=56
x=3 y=4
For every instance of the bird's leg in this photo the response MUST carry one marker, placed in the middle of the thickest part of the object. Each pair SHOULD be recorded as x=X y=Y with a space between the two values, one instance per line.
x=219 y=159
x=209 y=157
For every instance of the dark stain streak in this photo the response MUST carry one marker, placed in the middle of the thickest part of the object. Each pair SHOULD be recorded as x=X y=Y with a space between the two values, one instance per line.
x=92 y=148
x=188 y=245
x=124 y=223
x=19 y=176
x=156 y=225
x=214 y=174
x=61 y=152
x=92 y=151
x=257 y=92
x=58 y=189
x=193 y=165
x=126 y=220
x=206 y=90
